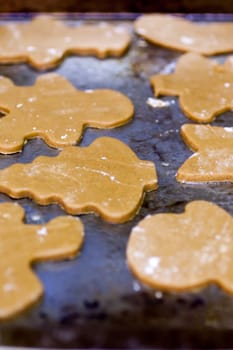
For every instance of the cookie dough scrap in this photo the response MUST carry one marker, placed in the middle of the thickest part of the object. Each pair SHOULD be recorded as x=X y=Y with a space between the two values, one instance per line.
x=205 y=87
x=43 y=41
x=21 y=245
x=105 y=177
x=181 y=34
x=56 y=111
x=213 y=157
x=179 y=252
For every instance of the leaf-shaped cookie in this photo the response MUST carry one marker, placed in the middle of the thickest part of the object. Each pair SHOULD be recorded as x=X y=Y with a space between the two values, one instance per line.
x=213 y=160
x=23 y=244
x=56 y=111
x=105 y=177
x=205 y=88
x=44 y=41
x=178 y=252
x=181 y=34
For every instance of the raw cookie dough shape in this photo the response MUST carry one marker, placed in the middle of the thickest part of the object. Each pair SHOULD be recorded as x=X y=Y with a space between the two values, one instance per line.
x=181 y=34
x=105 y=177
x=205 y=88
x=213 y=160
x=178 y=252
x=23 y=244
x=56 y=111
x=44 y=41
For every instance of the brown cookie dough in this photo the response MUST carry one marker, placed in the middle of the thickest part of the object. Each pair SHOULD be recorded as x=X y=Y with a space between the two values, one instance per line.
x=21 y=245
x=105 y=177
x=178 y=252
x=44 y=41
x=213 y=157
x=180 y=34
x=56 y=111
x=205 y=88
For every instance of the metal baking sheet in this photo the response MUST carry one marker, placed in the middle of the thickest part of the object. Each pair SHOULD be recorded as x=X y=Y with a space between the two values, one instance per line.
x=93 y=300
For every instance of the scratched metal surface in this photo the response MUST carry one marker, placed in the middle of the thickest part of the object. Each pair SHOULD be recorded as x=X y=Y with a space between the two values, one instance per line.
x=93 y=300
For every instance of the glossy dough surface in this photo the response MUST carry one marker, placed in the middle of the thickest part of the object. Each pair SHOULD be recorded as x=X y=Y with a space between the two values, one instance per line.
x=204 y=87
x=178 y=252
x=105 y=177
x=23 y=244
x=213 y=157
x=43 y=41
x=181 y=34
x=56 y=111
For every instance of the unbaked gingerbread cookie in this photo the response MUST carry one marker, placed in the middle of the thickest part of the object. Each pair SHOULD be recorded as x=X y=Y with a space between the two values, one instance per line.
x=44 y=41
x=181 y=34
x=105 y=177
x=179 y=252
x=213 y=157
x=56 y=111
x=21 y=245
x=205 y=88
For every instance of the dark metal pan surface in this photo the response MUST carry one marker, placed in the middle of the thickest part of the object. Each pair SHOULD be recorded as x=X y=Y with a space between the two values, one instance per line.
x=93 y=300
